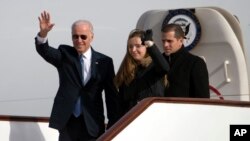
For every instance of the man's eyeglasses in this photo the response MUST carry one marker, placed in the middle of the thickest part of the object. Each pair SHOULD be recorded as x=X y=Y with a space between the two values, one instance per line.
x=76 y=37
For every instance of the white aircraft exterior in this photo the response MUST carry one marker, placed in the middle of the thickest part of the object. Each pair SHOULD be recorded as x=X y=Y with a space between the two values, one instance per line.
x=28 y=84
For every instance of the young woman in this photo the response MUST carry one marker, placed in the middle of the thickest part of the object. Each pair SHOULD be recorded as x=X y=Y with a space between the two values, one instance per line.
x=142 y=72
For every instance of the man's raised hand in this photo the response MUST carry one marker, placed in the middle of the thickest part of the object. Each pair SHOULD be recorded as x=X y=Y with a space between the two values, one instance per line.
x=45 y=24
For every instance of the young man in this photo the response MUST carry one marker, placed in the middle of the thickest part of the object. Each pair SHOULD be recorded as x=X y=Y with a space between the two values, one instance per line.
x=188 y=75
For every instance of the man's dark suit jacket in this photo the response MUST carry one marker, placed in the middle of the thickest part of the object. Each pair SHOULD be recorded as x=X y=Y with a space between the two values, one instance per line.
x=188 y=75
x=67 y=62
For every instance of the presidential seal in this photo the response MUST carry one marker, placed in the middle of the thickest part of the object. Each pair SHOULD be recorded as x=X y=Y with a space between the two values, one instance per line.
x=189 y=23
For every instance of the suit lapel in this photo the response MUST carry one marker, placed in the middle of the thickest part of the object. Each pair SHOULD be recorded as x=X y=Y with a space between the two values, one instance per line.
x=94 y=63
x=94 y=67
x=77 y=64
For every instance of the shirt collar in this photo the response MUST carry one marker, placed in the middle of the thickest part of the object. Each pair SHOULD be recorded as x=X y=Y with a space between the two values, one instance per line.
x=88 y=54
